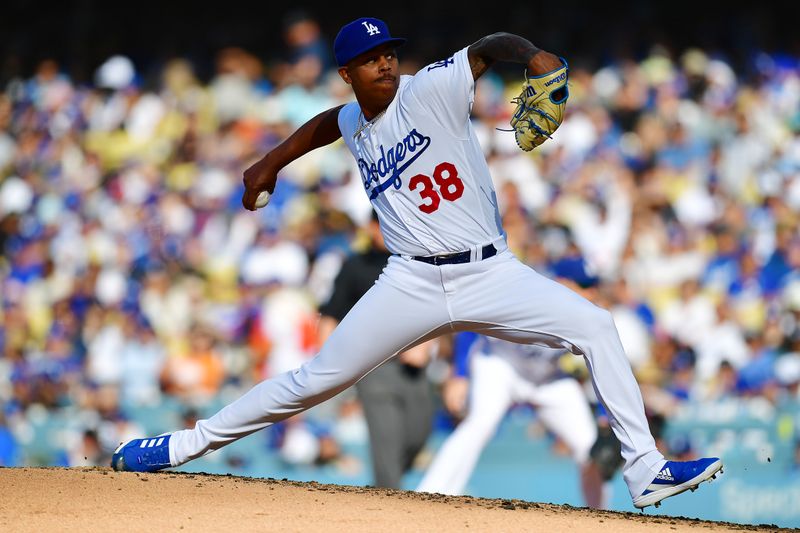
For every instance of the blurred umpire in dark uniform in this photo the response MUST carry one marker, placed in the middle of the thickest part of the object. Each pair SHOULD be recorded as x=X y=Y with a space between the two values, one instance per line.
x=396 y=397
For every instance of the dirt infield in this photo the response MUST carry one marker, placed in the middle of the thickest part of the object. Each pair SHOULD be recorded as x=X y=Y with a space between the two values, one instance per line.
x=99 y=499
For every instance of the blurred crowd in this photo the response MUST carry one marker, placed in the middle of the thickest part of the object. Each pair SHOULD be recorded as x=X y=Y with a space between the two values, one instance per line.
x=130 y=274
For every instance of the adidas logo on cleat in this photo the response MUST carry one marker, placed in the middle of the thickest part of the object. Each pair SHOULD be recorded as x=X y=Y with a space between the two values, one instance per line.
x=665 y=475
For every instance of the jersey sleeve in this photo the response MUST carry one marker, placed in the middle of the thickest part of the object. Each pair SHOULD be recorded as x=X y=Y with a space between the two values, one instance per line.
x=446 y=90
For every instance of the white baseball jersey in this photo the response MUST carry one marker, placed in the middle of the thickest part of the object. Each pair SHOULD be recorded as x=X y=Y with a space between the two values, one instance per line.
x=422 y=166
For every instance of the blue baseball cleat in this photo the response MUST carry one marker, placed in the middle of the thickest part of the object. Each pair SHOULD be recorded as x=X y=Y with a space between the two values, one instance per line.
x=677 y=477
x=142 y=455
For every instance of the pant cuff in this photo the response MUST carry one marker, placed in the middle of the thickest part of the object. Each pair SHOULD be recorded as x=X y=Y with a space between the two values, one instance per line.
x=641 y=473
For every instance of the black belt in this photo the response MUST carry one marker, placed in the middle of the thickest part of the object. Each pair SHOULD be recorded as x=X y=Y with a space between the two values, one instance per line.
x=455 y=258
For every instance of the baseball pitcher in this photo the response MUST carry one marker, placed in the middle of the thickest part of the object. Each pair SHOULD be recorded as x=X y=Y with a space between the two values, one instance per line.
x=424 y=172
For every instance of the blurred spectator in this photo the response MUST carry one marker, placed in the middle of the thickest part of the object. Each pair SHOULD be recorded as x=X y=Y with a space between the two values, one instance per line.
x=691 y=317
x=303 y=37
x=141 y=361
x=238 y=85
x=88 y=452
x=723 y=385
x=196 y=373
x=724 y=341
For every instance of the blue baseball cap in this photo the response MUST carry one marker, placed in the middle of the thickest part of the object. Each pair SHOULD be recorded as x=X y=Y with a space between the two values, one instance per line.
x=360 y=36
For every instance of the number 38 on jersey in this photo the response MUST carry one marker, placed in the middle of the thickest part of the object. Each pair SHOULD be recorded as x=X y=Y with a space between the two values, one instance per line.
x=448 y=185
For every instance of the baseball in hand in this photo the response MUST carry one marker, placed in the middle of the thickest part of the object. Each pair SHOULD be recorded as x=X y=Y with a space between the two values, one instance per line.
x=262 y=200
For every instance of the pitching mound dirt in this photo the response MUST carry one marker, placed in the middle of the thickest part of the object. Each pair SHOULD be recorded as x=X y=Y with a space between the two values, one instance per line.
x=99 y=499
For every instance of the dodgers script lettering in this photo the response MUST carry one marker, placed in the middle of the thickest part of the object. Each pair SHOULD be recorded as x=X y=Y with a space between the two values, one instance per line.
x=388 y=163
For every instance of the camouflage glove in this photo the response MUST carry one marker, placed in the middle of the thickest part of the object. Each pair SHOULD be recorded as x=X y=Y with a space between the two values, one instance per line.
x=540 y=107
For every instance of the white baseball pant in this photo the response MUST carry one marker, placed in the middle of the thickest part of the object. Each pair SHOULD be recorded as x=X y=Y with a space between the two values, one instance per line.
x=414 y=301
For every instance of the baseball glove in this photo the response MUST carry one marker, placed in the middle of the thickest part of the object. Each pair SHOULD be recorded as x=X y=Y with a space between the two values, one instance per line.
x=540 y=107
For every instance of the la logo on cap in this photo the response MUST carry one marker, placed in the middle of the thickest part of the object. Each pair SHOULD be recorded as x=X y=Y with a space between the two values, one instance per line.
x=372 y=29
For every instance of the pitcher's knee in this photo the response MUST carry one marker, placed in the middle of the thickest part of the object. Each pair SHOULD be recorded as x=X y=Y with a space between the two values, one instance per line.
x=596 y=321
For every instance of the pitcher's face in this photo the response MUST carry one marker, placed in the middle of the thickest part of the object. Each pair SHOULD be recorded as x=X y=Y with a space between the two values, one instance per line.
x=374 y=76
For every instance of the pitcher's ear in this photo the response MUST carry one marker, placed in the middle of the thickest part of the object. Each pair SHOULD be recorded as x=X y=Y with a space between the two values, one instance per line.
x=345 y=75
